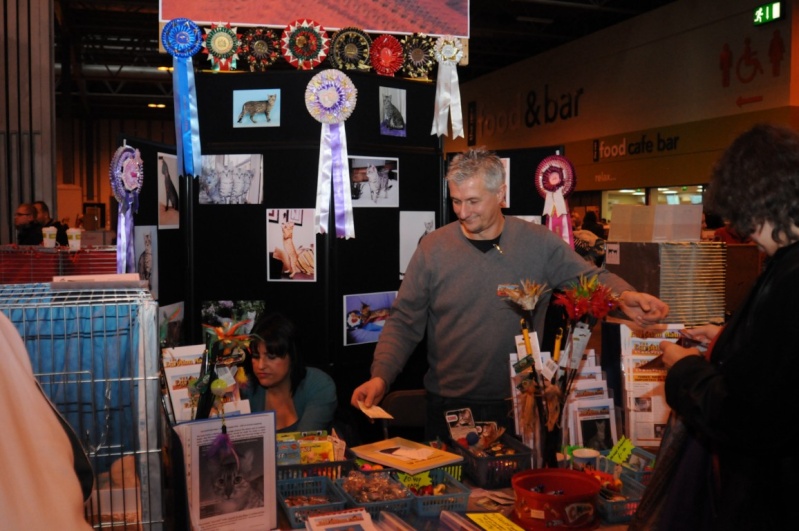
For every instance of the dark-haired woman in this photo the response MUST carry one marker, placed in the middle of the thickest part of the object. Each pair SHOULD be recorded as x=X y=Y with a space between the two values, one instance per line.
x=303 y=398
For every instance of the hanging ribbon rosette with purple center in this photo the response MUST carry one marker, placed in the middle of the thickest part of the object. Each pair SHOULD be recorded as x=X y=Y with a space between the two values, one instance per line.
x=330 y=98
x=182 y=39
x=127 y=177
x=555 y=181
x=448 y=52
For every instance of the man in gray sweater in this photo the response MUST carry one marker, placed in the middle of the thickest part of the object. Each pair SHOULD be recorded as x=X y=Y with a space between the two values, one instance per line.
x=450 y=292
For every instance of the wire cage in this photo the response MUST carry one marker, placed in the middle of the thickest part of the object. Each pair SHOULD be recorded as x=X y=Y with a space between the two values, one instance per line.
x=33 y=263
x=95 y=354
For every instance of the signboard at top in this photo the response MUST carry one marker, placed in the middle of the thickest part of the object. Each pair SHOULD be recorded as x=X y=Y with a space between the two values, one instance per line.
x=767 y=13
x=431 y=17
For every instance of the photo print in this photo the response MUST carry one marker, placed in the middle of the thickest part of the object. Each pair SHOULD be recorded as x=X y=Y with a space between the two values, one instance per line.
x=225 y=313
x=170 y=325
x=413 y=227
x=290 y=245
x=145 y=249
x=232 y=180
x=168 y=197
x=256 y=108
x=365 y=314
x=374 y=181
x=392 y=112
x=215 y=471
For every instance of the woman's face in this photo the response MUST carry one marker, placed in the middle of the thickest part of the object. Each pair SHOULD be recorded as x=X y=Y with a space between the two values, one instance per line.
x=762 y=237
x=271 y=370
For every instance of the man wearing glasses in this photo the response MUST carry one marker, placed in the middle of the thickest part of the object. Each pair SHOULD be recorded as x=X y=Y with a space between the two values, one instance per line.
x=29 y=231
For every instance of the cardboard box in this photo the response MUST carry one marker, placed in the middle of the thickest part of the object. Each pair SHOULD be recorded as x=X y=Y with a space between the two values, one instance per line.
x=656 y=223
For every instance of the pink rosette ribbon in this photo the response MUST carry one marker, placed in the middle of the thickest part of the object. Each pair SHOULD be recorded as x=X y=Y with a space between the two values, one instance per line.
x=555 y=181
x=448 y=51
x=330 y=99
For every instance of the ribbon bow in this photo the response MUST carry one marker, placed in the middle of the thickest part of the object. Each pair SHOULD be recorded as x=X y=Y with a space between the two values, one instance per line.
x=555 y=182
x=448 y=52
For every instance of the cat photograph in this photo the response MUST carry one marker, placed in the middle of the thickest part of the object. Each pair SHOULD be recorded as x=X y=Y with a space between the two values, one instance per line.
x=374 y=181
x=168 y=197
x=365 y=314
x=145 y=251
x=414 y=227
x=392 y=112
x=231 y=179
x=231 y=483
x=256 y=108
x=291 y=245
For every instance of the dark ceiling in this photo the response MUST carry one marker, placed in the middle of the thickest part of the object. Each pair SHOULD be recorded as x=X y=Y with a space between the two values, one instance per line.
x=106 y=51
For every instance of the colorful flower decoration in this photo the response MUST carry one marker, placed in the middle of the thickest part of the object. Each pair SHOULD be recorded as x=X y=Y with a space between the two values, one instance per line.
x=181 y=38
x=554 y=180
x=448 y=51
x=222 y=44
x=231 y=345
x=305 y=44
x=349 y=50
x=330 y=98
x=127 y=177
x=386 y=55
x=261 y=47
x=419 y=56
x=588 y=301
x=526 y=295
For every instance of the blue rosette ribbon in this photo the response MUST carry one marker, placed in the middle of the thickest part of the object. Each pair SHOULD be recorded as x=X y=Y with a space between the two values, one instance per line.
x=555 y=181
x=330 y=99
x=448 y=51
x=182 y=39
x=127 y=177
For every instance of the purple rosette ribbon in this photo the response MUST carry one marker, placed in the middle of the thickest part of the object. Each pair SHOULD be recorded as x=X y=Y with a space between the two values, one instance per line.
x=127 y=177
x=555 y=181
x=182 y=39
x=330 y=98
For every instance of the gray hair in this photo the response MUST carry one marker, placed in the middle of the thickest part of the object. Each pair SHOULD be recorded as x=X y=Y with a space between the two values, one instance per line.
x=477 y=162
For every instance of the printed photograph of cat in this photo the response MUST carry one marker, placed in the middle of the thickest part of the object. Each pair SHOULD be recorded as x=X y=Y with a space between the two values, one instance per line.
x=291 y=245
x=231 y=483
x=145 y=252
x=413 y=228
x=256 y=108
x=231 y=180
x=392 y=112
x=365 y=314
x=374 y=181
x=168 y=196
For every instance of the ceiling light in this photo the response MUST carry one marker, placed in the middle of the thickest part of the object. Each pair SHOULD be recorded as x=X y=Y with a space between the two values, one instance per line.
x=638 y=193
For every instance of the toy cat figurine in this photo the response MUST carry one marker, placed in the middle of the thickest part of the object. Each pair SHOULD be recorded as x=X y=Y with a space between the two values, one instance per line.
x=251 y=108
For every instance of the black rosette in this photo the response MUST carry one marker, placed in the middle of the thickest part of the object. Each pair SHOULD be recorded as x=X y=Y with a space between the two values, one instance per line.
x=419 y=55
x=181 y=37
x=261 y=46
x=555 y=173
x=349 y=50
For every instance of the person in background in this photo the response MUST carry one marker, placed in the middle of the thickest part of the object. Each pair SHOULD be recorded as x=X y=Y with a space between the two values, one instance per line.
x=725 y=461
x=729 y=234
x=577 y=220
x=45 y=220
x=450 y=294
x=591 y=224
x=303 y=398
x=48 y=476
x=29 y=231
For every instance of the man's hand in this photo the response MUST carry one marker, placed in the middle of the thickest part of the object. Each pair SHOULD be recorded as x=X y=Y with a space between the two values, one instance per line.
x=370 y=393
x=643 y=308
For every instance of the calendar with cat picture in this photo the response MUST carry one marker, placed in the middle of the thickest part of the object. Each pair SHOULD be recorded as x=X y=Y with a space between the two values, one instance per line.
x=374 y=181
x=231 y=486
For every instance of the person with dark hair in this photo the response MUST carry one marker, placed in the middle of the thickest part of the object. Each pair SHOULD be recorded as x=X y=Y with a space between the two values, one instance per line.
x=303 y=398
x=29 y=231
x=45 y=220
x=449 y=293
x=737 y=395
x=591 y=224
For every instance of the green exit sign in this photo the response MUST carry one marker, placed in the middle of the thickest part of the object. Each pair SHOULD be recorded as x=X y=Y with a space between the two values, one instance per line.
x=767 y=13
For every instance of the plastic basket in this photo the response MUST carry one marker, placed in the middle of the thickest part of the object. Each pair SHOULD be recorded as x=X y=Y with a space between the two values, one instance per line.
x=400 y=506
x=639 y=465
x=619 y=511
x=331 y=469
x=312 y=486
x=455 y=498
x=555 y=498
x=493 y=472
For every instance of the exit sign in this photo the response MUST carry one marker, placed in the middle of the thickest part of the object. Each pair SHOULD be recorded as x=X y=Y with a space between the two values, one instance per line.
x=767 y=13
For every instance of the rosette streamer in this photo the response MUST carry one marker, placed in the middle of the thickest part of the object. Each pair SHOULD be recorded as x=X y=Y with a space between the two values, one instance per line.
x=330 y=98
x=127 y=177
x=448 y=52
x=555 y=181
x=181 y=38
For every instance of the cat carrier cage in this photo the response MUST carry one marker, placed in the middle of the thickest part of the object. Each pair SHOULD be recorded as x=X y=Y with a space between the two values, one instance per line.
x=95 y=353
x=33 y=263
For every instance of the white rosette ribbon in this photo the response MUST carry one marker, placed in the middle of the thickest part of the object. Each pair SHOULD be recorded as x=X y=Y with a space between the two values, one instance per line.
x=448 y=52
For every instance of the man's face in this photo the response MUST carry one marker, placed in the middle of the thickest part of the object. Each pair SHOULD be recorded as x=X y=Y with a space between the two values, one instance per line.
x=23 y=217
x=478 y=209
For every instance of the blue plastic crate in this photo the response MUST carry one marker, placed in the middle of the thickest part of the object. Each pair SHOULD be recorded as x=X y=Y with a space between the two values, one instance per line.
x=494 y=472
x=400 y=506
x=455 y=498
x=619 y=511
x=312 y=486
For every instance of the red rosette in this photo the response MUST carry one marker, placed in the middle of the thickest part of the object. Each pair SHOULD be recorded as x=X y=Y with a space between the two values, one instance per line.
x=555 y=173
x=304 y=44
x=261 y=47
x=387 y=55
